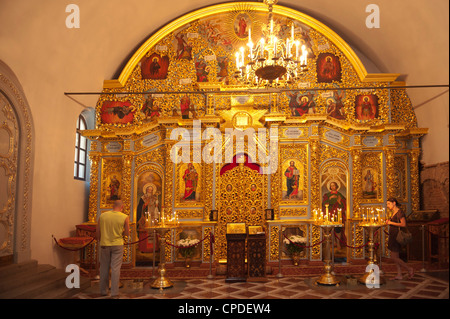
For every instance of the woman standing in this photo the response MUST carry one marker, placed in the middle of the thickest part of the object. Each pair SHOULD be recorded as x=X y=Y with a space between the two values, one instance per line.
x=396 y=221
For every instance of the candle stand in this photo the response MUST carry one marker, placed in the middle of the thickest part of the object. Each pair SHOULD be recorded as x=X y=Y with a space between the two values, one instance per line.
x=369 y=277
x=327 y=278
x=162 y=229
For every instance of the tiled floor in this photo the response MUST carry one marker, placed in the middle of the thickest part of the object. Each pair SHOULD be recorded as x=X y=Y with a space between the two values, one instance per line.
x=428 y=285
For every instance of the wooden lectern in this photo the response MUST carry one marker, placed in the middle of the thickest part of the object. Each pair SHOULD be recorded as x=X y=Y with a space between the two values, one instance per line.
x=236 y=235
x=256 y=254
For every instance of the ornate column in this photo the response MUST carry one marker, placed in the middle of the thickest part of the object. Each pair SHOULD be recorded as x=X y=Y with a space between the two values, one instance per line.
x=169 y=179
x=414 y=155
x=354 y=231
x=389 y=154
x=315 y=173
x=93 y=188
x=314 y=155
x=127 y=159
x=356 y=154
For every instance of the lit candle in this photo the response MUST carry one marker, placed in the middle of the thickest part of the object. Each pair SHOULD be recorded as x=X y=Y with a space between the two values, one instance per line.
x=237 y=60
x=296 y=49
x=262 y=47
x=250 y=46
x=275 y=47
x=242 y=56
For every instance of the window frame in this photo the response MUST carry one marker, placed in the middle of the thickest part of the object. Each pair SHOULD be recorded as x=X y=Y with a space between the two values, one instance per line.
x=78 y=148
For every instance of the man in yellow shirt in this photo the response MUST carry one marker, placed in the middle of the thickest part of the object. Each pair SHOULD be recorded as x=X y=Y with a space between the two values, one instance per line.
x=111 y=227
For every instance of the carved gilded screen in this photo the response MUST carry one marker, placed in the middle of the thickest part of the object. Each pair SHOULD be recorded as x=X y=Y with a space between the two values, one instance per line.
x=241 y=200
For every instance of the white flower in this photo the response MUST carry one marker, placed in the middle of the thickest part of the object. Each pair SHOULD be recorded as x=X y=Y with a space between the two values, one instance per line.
x=186 y=242
x=295 y=239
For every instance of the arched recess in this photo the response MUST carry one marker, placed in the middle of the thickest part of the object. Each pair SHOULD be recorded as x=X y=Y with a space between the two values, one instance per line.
x=19 y=207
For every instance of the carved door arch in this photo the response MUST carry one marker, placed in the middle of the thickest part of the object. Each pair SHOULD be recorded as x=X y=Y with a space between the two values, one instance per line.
x=16 y=169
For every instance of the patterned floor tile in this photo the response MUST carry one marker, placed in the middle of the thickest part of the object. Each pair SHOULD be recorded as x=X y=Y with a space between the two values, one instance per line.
x=421 y=286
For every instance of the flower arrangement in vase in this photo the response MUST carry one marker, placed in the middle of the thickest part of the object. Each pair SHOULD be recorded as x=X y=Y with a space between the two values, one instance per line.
x=186 y=248
x=295 y=244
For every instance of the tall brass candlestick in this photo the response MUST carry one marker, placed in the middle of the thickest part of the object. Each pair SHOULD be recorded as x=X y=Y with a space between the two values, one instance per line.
x=162 y=281
x=371 y=228
x=327 y=278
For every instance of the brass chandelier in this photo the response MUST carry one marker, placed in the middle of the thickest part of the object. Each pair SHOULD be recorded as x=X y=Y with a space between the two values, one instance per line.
x=271 y=62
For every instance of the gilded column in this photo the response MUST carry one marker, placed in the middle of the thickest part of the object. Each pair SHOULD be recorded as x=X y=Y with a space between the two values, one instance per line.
x=93 y=188
x=389 y=154
x=169 y=179
x=353 y=231
x=315 y=173
x=414 y=155
x=356 y=181
x=314 y=145
x=126 y=182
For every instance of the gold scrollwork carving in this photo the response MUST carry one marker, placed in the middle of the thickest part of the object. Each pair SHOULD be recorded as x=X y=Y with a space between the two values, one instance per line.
x=357 y=180
x=293 y=212
x=415 y=178
x=400 y=186
x=274 y=242
x=95 y=160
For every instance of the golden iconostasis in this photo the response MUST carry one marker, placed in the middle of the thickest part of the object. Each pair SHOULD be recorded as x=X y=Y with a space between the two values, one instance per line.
x=340 y=136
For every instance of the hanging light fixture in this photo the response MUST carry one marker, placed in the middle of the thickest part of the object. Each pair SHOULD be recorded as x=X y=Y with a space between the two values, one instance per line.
x=271 y=61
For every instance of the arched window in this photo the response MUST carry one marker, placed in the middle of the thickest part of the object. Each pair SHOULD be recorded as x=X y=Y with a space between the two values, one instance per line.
x=79 y=168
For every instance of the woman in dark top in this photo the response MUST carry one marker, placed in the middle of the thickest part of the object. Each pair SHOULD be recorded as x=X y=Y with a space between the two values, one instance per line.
x=396 y=221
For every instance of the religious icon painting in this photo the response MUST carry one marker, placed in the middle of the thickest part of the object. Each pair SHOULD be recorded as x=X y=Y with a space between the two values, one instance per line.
x=189 y=182
x=151 y=109
x=111 y=181
x=328 y=68
x=293 y=174
x=370 y=183
x=334 y=189
x=366 y=107
x=183 y=48
x=154 y=67
x=117 y=112
x=242 y=25
x=148 y=198
x=201 y=69
x=229 y=188
x=114 y=188
x=148 y=188
x=222 y=69
x=301 y=103
x=187 y=108
x=335 y=106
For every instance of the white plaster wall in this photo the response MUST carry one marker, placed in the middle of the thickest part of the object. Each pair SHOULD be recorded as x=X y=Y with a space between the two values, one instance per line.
x=50 y=59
